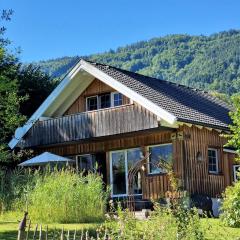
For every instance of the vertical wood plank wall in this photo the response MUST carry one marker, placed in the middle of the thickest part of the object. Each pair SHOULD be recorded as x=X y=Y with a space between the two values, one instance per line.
x=95 y=88
x=197 y=178
x=194 y=175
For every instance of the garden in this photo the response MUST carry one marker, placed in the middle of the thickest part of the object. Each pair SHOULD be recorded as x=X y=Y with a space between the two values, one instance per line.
x=67 y=204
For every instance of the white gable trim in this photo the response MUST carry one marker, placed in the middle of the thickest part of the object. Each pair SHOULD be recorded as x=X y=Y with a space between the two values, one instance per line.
x=44 y=106
x=152 y=107
x=92 y=70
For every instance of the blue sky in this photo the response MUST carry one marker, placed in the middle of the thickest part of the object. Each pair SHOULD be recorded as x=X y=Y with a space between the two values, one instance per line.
x=45 y=29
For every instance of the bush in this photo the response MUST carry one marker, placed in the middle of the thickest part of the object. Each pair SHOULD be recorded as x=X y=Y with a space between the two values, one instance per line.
x=15 y=184
x=66 y=197
x=231 y=206
x=163 y=223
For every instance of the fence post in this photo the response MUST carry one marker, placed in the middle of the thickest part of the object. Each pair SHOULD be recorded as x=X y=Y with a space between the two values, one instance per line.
x=46 y=232
x=22 y=226
x=62 y=234
x=68 y=235
x=40 y=232
x=35 y=232
x=75 y=234
x=29 y=227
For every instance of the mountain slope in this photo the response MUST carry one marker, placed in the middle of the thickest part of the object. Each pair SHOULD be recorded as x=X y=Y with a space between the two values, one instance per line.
x=206 y=62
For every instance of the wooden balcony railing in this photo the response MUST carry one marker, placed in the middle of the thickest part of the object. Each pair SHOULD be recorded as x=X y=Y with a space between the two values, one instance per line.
x=86 y=125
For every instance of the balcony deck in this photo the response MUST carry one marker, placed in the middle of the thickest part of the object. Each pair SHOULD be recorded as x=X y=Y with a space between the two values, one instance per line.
x=87 y=125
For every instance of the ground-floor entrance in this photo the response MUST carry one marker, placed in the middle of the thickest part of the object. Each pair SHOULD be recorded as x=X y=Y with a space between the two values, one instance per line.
x=120 y=164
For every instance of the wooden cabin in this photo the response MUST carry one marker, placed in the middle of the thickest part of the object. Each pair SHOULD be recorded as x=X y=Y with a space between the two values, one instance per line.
x=114 y=117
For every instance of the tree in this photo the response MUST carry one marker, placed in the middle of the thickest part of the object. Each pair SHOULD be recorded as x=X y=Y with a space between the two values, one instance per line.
x=22 y=89
x=234 y=137
x=36 y=84
x=10 y=116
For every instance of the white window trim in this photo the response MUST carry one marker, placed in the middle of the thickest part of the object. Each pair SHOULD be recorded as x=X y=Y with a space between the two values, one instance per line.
x=87 y=103
x=235 y=172
x=112 y=99
x=126 y=172
x=217 y=161
x=99 y=101
x=148 y=163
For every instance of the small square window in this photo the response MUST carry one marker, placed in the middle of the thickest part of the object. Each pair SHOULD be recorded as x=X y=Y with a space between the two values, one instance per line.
x=117 y=99
x=212 y=160
x=86 y=162
x=92 y=103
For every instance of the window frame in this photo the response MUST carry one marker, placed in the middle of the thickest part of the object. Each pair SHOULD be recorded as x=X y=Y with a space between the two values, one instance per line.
x=78 y=161
x=100 y=102
x=148 y=159
x=217 y=160
x=125 y=150
x=112 y=99
x=98 y=97
x=235 y=172
x=87 y=103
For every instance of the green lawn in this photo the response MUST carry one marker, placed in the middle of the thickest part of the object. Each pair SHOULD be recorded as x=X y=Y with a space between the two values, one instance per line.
x=214 y=229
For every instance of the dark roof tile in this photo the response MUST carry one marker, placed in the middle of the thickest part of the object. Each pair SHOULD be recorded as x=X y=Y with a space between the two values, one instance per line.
x=187 y=104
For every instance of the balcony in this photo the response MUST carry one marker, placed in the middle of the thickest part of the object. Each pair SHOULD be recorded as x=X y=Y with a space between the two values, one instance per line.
x=87 y=125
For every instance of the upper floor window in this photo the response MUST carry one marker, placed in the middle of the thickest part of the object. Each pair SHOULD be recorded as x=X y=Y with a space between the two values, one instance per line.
x=117 y=99
x=105 y=100
x=159 y=153
x=92 y=103
x=212 y=160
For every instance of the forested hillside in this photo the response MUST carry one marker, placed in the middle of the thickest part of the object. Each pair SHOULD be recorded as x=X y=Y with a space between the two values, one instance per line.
x=206 y=62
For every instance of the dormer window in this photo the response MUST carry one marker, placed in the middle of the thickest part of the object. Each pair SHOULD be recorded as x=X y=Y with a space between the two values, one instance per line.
x=105 y=100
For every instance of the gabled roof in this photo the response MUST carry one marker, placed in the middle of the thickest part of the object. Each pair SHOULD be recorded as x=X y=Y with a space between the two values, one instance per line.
x=169 y=101
x=186 y=104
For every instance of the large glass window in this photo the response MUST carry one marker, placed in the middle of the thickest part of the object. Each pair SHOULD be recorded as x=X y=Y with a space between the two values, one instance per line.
x=121 y=162
x=119 y=173
x=133 y=156
x=105 y=100
x=92 y=103
x=159 y=153
x=212 y=160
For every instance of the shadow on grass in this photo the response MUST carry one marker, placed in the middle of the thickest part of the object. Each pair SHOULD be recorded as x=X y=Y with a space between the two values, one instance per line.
x=8 y=235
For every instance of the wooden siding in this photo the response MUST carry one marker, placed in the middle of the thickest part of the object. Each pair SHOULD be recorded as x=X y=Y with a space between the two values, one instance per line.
x=154 y=186
x=104 y=122
x=197 y=178
x=96 y=87
x=194 y=175
x=229 y=162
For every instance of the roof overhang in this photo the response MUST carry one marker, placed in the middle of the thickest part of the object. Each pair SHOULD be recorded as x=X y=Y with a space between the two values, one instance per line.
x=73 y=84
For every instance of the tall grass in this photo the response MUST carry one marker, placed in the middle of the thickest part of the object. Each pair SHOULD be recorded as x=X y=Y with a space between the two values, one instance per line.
x=67 y=197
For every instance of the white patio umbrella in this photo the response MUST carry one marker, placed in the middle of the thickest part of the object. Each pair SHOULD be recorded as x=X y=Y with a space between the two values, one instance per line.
x=45 y=158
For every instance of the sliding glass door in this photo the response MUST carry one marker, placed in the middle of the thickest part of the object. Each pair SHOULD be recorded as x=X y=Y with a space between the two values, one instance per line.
x=120 y=163
x=118 y=173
